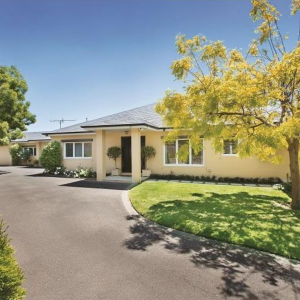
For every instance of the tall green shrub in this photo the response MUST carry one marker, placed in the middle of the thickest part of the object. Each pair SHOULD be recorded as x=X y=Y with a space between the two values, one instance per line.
x=51 y=157
x=15 y=151
x=11 y=276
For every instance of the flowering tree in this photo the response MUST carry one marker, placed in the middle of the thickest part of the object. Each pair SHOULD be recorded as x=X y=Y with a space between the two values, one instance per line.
x=253 y=97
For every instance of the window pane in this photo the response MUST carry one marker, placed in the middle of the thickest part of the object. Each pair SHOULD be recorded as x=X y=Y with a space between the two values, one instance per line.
x=197 y=159
x=30 y=150
x=183 y=145
x=170 y=153
x=233 y=147
x=34 y=151
x=87 y=149
x=78 y=149
x=69 y=150
x=230 y=147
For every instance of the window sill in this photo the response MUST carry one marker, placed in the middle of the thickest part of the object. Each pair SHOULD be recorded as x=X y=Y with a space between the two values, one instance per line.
x=77 y=157
x=174 y=165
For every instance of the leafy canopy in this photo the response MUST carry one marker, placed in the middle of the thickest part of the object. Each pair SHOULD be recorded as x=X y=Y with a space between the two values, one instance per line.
x=14 y=109
x=253 y=96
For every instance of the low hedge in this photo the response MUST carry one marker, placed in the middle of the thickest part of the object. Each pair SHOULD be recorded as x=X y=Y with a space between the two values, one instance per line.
x=11 y=276
x=253 y=180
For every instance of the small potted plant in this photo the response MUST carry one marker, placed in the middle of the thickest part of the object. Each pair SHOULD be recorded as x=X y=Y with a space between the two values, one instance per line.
x=114 y=153
x=36 y=163
x=147 y=153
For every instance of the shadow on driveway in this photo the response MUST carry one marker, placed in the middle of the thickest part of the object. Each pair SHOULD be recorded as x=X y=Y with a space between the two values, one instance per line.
x=91 y=184
x=3 y=172
x=238 y=266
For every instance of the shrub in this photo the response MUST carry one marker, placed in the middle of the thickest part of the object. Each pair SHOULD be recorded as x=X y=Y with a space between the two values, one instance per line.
x=25 y=156
x=147 y=153
x=114 y=152
x=269 y=180
x=82 y=172
x=51 y=157
x=15 y=153
x=11 y=276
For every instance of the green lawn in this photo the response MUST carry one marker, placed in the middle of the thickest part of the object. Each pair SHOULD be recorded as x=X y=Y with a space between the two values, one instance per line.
x=255 y=217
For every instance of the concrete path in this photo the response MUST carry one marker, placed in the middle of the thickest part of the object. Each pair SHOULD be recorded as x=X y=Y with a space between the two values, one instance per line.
x=76 y=241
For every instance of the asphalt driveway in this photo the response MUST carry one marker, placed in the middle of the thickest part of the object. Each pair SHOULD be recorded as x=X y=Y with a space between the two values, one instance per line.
x=76 y=241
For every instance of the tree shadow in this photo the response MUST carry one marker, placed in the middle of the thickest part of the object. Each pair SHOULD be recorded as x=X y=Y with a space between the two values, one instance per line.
x=4 y=172
x=239 y=266
x=93 y=184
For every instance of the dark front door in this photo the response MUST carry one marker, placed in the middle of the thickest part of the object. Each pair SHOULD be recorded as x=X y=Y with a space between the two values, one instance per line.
x=126 y=153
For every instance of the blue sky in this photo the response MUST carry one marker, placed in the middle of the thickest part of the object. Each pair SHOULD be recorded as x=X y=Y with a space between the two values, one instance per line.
x=87 y=59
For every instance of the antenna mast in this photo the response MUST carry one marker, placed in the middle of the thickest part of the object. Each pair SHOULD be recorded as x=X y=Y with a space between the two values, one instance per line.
x=61 y=121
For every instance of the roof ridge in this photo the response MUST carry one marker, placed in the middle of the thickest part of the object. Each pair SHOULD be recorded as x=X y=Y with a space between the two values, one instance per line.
x=121 y=112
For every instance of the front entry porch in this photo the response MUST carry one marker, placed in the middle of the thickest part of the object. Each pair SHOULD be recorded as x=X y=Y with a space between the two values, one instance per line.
x=130 y=140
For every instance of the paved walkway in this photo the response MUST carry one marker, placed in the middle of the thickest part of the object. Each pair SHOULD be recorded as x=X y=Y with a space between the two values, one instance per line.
x=76 y=241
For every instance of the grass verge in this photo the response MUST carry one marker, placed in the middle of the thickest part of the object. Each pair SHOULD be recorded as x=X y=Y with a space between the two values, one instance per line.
x=255 y=217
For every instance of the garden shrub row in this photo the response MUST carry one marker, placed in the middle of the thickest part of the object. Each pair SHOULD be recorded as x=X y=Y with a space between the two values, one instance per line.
x=254 y=180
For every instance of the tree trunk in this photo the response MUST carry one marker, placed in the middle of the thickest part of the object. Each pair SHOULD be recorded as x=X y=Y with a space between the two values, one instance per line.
x=293 y=148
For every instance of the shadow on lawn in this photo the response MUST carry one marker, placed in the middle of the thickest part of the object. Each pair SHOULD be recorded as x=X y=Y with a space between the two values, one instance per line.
x=237 y=264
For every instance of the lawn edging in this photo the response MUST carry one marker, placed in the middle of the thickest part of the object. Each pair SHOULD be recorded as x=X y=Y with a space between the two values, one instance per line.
x=277 y=251
x=197 y=238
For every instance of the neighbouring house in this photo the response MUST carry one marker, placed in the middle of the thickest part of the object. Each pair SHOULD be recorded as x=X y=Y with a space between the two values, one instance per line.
x=34 y=142
x=86 y=144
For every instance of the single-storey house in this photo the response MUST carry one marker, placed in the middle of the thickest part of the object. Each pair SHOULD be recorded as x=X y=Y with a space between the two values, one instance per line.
x=86 y=144
x=34 y=142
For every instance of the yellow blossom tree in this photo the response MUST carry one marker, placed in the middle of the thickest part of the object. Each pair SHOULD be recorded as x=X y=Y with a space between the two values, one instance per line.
x=253 y=97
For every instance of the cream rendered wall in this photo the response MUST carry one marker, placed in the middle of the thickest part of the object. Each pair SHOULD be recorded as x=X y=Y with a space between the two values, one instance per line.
x=73 y=163
x=215 y=163
x=5 y=158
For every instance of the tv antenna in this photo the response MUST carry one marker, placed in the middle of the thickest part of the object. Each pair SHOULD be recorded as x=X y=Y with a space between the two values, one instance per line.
x=61 y=121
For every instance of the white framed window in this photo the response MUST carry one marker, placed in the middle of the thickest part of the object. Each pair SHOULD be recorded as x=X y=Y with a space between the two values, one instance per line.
x=171 y=158
x=230 y=147
x=77 y=150
x=31 y=150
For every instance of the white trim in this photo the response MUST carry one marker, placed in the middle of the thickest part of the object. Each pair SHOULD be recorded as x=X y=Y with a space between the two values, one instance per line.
x=82 y=148
x=190 y=156
x=121 y=128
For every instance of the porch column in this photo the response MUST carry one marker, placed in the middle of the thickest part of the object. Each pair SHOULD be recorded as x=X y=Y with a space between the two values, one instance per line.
x=100 y=155
x=38 y=150
x=136 y=154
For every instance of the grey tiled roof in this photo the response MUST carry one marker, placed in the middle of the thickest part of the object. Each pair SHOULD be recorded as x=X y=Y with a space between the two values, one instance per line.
x=32 y=136
x=144 y=115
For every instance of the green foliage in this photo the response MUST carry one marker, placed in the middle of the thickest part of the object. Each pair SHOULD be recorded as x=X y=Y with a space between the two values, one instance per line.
x=25 y=155
x=14 y=109
x=11 y=276
x=203 y=178
x=80 y=172
x=252 y=97
x=51 y=157
x=148 y=152
x=257 y=217
x=15 y=151
x=114 y=152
